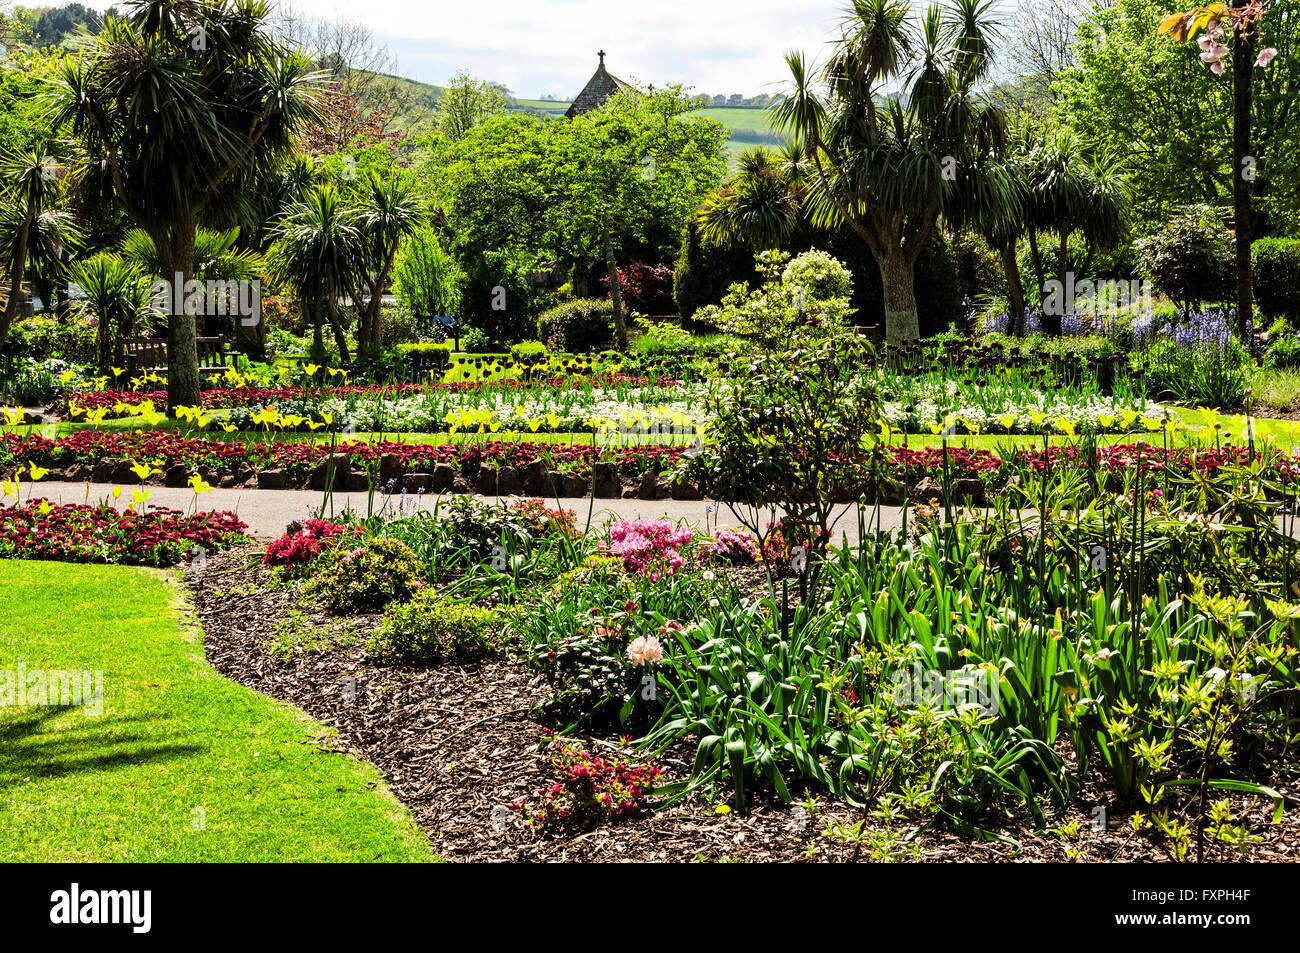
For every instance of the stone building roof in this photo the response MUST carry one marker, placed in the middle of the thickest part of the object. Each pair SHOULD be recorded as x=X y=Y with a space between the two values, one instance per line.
x=599 y=88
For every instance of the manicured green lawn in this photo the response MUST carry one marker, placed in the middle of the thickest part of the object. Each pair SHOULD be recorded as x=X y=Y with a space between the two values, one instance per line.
x=182 y=764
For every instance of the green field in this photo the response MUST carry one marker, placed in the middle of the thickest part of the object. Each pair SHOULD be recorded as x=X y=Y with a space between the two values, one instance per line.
x=179 y=763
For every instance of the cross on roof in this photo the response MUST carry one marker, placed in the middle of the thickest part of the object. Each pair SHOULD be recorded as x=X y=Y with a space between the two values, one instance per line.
x=601 y=54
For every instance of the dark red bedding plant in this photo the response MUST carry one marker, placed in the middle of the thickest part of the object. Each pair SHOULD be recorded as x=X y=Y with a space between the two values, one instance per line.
x=75 y=532
x=305 y=540
x=591 y=786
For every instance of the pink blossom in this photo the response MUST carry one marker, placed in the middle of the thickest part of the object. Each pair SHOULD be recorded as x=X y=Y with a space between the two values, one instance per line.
x=1216 y=67
x=645 y=650
x=1266 y=56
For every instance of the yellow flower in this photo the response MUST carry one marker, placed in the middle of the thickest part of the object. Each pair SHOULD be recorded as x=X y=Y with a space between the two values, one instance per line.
x=311 y=369
x=118 y=371
x=229 y=428
x=37 y=472
x=13 y=415
x=44 y=507
x=199 y=485
x=142 y=470
x=1007 y=421
x=117 y=492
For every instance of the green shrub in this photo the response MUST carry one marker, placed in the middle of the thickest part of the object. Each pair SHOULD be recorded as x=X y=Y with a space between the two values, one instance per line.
x=367 y=578
x=656 y=338
x=397 y=325
x=1283 y=352
x=527 y=352
x=703 y=272
x=476 y=341
x=427 y=348
x=497 y=299
x=42 y=337
x=1276 y=266
x=582 y=323
x=431 y=629
x=820 y=275
x=1190 y=260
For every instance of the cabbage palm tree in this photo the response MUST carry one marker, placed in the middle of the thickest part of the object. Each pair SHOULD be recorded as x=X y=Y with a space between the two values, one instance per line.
x=390 y=211
x=889 y=164
x=29 y=185
x=761 y=202
x=187 y=103
x=317 y=249
x=118 y=294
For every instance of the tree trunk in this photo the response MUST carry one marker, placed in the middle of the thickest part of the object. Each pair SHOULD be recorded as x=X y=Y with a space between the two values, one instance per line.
x=340 y=338
x=1036 y=257
x=615 y=291
x=16 y=271
x=897 y=273
x=176 y=257
x=1243 y=65
x=1015 y=289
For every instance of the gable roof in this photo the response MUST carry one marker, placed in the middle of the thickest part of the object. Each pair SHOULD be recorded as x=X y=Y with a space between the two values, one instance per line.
x=599 y=88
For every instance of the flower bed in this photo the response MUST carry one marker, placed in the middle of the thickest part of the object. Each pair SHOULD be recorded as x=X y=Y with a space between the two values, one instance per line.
x=76 y=532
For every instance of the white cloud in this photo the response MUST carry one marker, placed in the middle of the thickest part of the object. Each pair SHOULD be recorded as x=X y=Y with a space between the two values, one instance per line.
x=549 y=46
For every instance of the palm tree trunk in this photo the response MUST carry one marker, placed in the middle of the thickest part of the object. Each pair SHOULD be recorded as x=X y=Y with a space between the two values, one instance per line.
x=1243 y=56
x=897 y=275
x=1036 y=257
x=16 y=272
x=1015 y=289
x=340 y=338
x=615 y=291
x=176 y=257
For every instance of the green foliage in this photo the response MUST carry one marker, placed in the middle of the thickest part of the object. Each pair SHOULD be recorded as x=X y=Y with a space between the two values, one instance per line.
x=528 y=352
x=439 y=352
x=1276 y=275
x=367 y=578
x=704 y=272
x=431 y=629
x=576 y=325
x=42 y=337
x=1210 y=376
x=426 y=279
x=1190 y=259
x=1283 y=351
x=770 y=314
x=791 y=428
x=497 y=299
x=821 y=276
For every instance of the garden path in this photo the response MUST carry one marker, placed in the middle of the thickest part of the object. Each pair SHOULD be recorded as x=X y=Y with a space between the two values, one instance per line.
x=267 y=512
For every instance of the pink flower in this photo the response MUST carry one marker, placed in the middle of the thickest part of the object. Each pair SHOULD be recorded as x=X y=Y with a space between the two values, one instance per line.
x=645 y=650
x=1206 y=41
x=1266 y=56
x=1216 y=67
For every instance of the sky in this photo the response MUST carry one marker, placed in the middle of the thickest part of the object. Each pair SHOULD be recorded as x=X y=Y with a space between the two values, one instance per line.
x=536 y=47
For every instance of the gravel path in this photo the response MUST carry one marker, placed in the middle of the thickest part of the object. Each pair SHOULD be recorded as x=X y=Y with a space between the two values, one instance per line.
x=267 y=512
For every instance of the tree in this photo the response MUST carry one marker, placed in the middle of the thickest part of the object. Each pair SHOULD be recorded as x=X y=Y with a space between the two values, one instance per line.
x=761 y=202
x=187 y=102
x=1237 y=24
x=29 y=182
x=317 y=249
x=468 y=102
x=390 y=211
x=118 y=294
x=888 y=167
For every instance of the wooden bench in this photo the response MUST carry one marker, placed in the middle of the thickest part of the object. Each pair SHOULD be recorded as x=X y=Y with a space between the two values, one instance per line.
x=149 y=355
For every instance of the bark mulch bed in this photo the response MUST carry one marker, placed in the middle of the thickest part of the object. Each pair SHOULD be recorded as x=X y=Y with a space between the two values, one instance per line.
x=458 y=744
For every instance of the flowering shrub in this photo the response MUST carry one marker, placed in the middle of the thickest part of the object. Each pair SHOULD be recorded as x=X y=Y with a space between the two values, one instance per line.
x=591 y=786
x=367 y=577
x=731 y=545
x=80 y=533
x=303 y=541
x=649 y=547
x=788 y=535
x=541 y=520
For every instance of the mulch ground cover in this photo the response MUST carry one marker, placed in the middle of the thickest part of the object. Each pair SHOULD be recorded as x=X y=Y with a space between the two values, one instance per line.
x=458 y=744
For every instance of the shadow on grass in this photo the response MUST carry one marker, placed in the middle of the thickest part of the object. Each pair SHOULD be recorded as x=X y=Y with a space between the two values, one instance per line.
x=34 y=750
